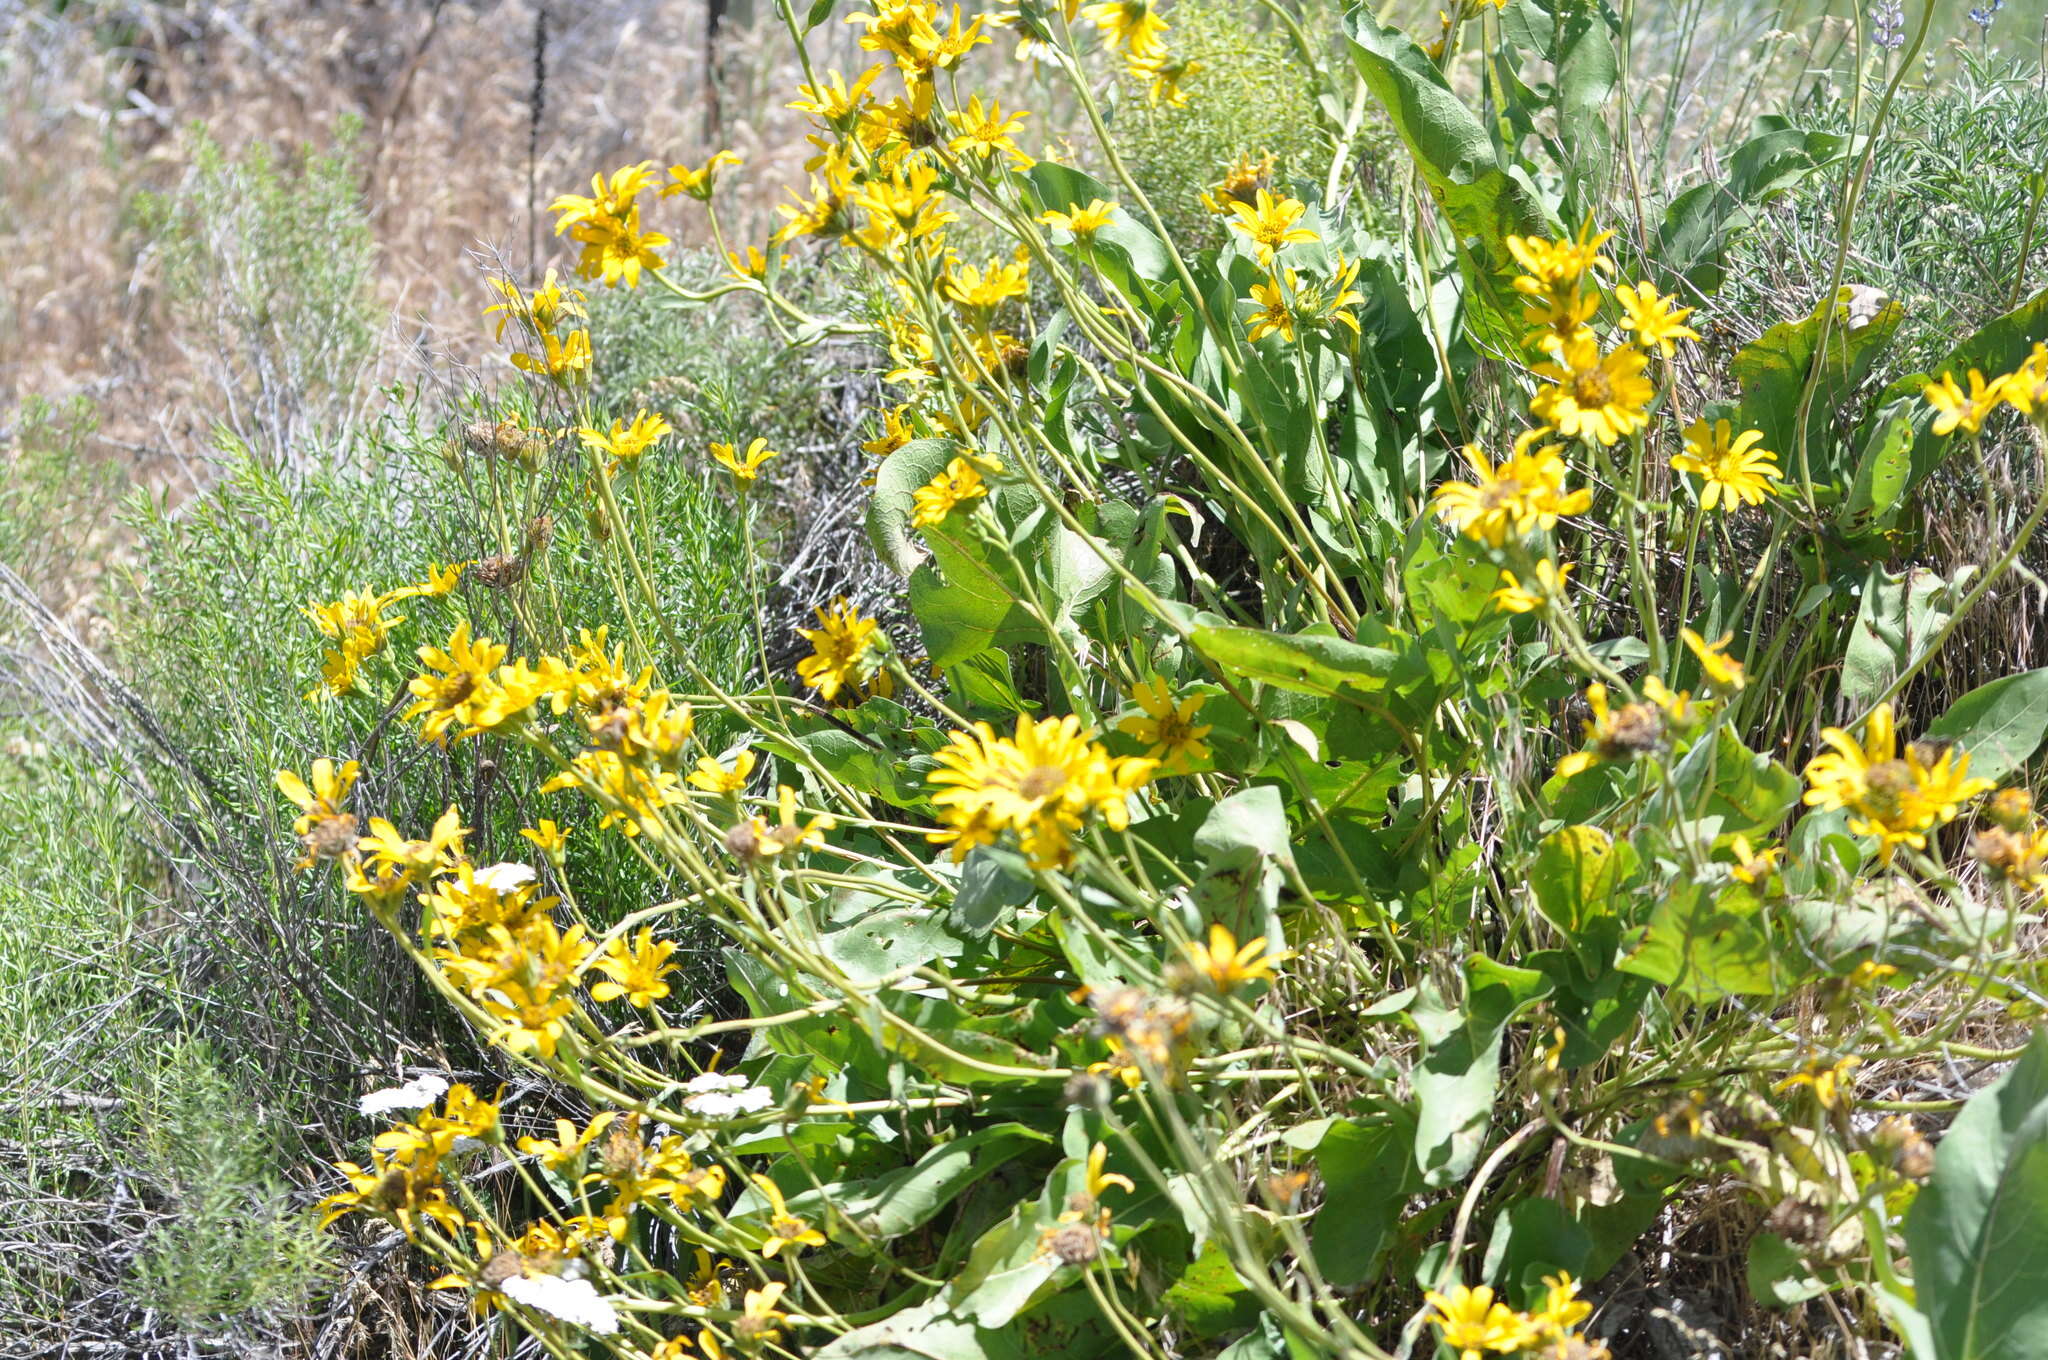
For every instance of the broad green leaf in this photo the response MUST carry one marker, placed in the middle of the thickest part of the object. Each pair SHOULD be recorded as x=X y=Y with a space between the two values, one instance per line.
x=1978 y=1231
x=1884 y=473
x=1707 y=947
x=1576 y=873
x=1455 y=1081
x=900 y=474
x=1307 y=663
x=1748 y=791
x=1773 y=371
x=1450 y=145
x=898 y=1201
x=2001 y=725
x=1208 y=1298
x=1896 y=621
x=886 y=941
x=1778 y=1273
x=1004 y=1272
x=1587 y=74
x=993 y=883
x=1702 y=222
x=1368 y=1172
x=1245 y=848
x=1534 y=1237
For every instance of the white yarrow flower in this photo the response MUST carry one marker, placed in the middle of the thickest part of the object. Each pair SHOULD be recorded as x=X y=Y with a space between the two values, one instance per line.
x=416 y=1094
x=725 y=1104
x=715 y=1081
x=505 y=878
x=574 y=1301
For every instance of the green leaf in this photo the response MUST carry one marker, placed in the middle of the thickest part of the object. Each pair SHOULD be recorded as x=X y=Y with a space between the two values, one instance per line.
x=1004 y=1272
x=1307 y=663
x=1884 y=472
x=1702 y=222
x=1587 y=74
x=993 y=883
x=2001 y=725
x=1779 y=1273
x=1896 y=620
x=1707 y=947
x=1245 y=849
x=1532 y=1238
x=1576 y=874
x=1454 y=1083
x=900 y=475
x=1450 y=145
x=821 y=10
x=1368 y=1174
x=1978 y=1231
x=1748 y=791
x=1209 y=1298
x=1773 y=371
x=899 y=1201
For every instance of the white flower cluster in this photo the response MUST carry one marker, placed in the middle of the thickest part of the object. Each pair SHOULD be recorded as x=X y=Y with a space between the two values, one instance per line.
x=574 y=1301
x=717 y=1096
x=504 y=878
x=416 y=1094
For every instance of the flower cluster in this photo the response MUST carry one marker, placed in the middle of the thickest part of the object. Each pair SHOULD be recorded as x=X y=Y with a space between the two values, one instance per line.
x=2024 y=389
x=1042 y=785
x=359 y=625
x=1473 y=1323
x=1898 y=797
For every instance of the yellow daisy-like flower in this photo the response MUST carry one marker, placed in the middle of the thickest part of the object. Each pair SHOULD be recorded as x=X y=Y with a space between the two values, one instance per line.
x=1656 y=323
x=634 y=970
x=744 y=467
x=1603 y=398
x=1167 y=727
x=564 y=359
x=1615 y=734
x=985 y=133
x=541 y=310
x=1734 y=470
x=713 y=777
x=624 y=444
x=1563 y=1310
x=1751 y=865
x=1472 y=1323
x=1896 y=799
x=1959 y=410
x=1274 y=316
x=833 y=100
x=1829 y=1081
x=1163 y=76
x=1226 y=965
x=1271 y=224
x=456 y=678
x=959 y=483
x=1081 y=222
x=1524 y=494
x=1548 y=263
x=1723 y=672
x=700 y=182
x=841 y=659
x=553 y=840
x=1133 y=25
x=324 y=827
x=785 y=1230
x=1548 y=585
x=1042 y=785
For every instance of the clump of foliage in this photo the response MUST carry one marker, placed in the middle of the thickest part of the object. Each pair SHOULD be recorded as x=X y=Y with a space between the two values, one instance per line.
x=1410 y=774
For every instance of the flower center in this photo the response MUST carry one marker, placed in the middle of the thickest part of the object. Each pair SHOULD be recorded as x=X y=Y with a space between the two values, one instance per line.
x=1042 y=781
x=1591 y=388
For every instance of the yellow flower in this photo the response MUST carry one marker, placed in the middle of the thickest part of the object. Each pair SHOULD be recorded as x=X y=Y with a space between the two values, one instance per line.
x=1042 y=785
x=713 y=777
x=624 y=444
x=1723 y=672
x=565 y=361
x=1133 y=25
x=1563 y=1309
x=1097 y=1181
x=634 y=971
x=1896 y=800
x=399 y=1190
x=754 y=265
x=1552 y=262
x=1524 y=494
x=417 y=859
x=1271 y=224
x=974 y=290
x=760 y=1323
x=987 y=133
x=541 y=310
x=1471 y=1323
x=1081 y=222
x=1750 y=865
x=1598 y=397
x=1239 y=183
x=832 y=100
x=1515 y=598
x=1227 y=966
x=2026 y=388
x=1734 y=469
x=567 y=1144
x=608 y=198
x=553 y=840
x=1828 y=1080
x=747 y=466
x=1959 y=410
x=1163 y=77
x=843 y=648
x=615 y=250
x=1167 y=726
x=457 y=677
x=698 y=184
x=1613 y=734
x=785 y=1230
x=1869 y=973
x=1275 y=317
x=325 y=830
x=1657 y=324
x=938 y=498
